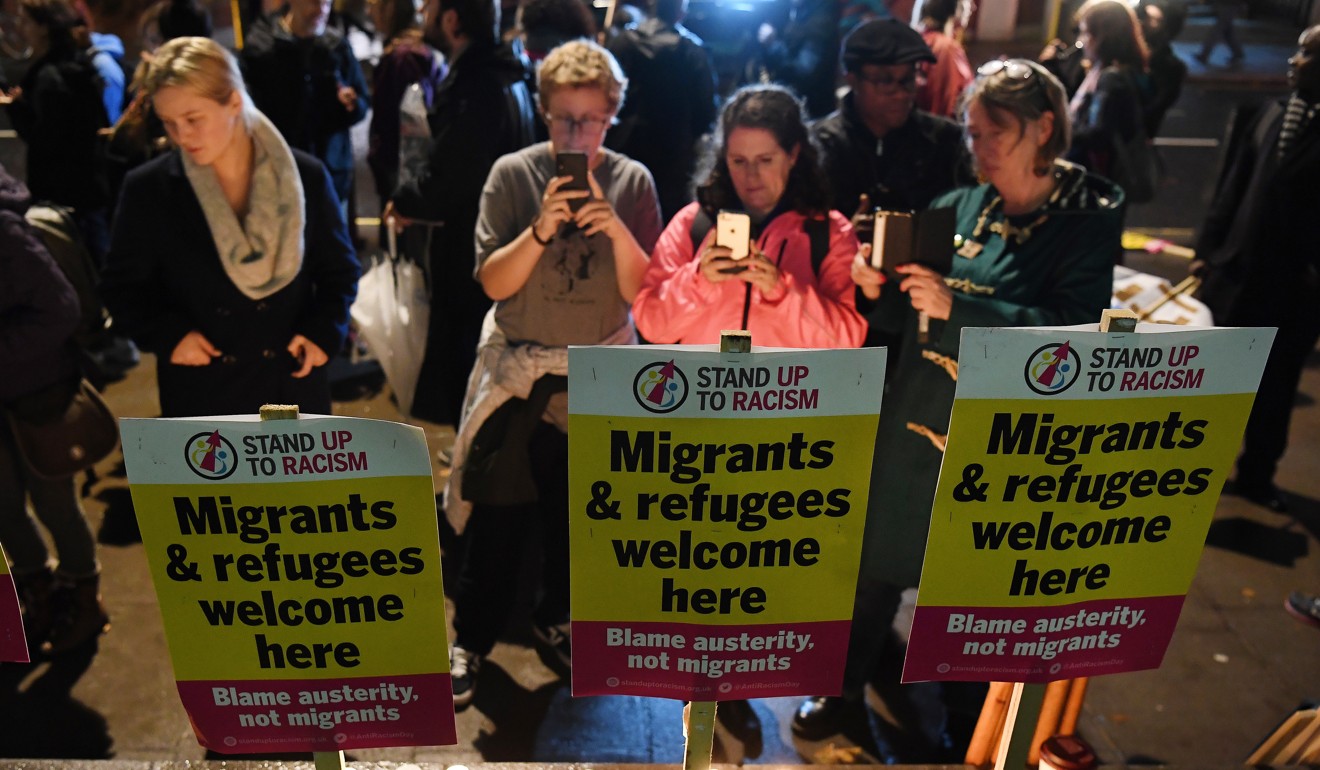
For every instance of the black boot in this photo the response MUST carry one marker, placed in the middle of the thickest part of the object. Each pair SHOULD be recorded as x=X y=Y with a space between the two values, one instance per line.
x=35 y=592
x=82 y=615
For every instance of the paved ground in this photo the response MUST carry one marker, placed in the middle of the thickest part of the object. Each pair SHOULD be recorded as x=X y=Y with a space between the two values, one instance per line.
x=1238 y=664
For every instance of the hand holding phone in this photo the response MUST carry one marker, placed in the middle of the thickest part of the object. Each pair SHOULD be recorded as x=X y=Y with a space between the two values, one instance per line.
x=574 y=166
x=733 y=230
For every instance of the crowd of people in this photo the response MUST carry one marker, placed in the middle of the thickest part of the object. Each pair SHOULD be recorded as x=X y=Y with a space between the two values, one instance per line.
x=244 y=298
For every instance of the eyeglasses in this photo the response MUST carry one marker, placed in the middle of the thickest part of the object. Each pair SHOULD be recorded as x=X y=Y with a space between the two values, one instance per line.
x=586 y=125
x=1013 y=69
x=890 y=83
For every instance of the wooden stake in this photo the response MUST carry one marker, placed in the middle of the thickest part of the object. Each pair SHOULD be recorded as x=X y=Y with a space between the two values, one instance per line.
x=324 y=760
x=1051 y=709
x=1120 y=321
x=1020 y=726
x=988 y=726
x=1072 y=711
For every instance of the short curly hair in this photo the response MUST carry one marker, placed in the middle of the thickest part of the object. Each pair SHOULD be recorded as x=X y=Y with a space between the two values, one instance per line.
x=581 y=64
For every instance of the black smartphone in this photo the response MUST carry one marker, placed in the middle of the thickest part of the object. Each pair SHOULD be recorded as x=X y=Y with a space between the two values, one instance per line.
x=574 y=166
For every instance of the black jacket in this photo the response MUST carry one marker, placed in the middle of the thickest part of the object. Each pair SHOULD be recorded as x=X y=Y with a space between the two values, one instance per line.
x=38 y=306
x=1260 y=237
x=910 y=166
x=164 y=278
x=57 y=118
x=482 y=110
x=672 y=101
x=295 y=82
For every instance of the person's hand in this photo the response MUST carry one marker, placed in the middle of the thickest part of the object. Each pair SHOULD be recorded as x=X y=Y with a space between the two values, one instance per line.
x=11 y=96
x=863 y=219
x=1052 y=50
x=597 y=215
x=308 y=353
x=867 y=278
x=1197 y=268
x=760 y=272
x=718 y=264
x=926 y=290
x=193 y=350
x=347 y=97
x=555 y=208
x=392 y=218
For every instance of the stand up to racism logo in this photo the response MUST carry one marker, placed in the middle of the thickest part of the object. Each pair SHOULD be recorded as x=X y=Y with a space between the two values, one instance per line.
x=1053 y=368
x=660 y=387
x=211 y=456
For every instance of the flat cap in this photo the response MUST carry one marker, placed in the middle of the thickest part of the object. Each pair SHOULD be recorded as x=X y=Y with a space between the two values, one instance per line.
x=884 y=41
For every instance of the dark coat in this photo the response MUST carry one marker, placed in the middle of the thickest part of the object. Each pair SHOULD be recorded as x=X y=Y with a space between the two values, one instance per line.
x=38 y=306
x=407 y=61
x=919 y=160
x=1105 y=119
x=296 y=84
x=483 y=110
x=672 y=100
x=164 y=279
x=1260 y=237
x=57 y=118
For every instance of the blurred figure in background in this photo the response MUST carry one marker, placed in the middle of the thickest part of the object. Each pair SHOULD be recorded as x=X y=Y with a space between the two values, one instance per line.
x=672 y=101
x=1257 y=253
x=803 y=54
x=548 y=24
x=57 y=111
x=1106 y=109
x=304 y=78
x=482 y=111
x=951 y=72
x=60 y=596
x=406 y=60
x=1227 y=13
x=1161 y=22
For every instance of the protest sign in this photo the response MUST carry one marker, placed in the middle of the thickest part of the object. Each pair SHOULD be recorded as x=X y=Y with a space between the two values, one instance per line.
x=297 y=565
x=717 y=502
x=1080 y=478
x=13 y=644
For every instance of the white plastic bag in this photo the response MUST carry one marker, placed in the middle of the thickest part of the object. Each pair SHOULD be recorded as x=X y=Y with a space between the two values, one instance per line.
x=393 y=312
x=414 y=134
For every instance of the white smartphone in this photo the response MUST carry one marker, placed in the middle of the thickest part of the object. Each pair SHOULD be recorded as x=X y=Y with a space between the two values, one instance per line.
x=734 y=230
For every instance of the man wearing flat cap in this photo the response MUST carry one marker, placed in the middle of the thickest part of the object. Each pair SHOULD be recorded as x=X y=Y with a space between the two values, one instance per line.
x=878 y=150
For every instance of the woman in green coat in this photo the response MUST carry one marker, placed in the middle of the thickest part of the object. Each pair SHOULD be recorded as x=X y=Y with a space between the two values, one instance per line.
x=1035 y=247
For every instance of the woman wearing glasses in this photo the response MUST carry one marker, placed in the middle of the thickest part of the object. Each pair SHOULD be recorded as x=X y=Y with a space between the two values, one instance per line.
x=562 y=266
x=1034 y=248
x=792 y=287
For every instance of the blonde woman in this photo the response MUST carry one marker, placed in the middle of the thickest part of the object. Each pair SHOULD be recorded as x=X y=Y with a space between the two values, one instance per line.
x=229 y=258
x=563 y=267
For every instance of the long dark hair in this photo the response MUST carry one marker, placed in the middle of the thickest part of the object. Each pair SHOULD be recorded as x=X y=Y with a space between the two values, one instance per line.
x=1117 y=32
x=774 y=109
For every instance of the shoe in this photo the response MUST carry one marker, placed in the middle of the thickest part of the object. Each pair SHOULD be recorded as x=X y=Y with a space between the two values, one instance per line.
x=35 y=595
x=822 y=715
x=1304 y=607
x=556 y=647
x=1264 y=494
x=464 y=666
x=80 y=614
x=1202 y=57
x=738 y=717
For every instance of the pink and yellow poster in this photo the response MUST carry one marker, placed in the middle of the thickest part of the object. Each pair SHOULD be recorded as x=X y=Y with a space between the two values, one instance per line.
x=13 y=643
x=717 y=503
x=297 y=565
x=1080 y=478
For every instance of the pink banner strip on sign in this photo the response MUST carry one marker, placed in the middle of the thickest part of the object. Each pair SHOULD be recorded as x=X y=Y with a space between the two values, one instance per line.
x=248 y=717
x=13 y=646
x=1040 y=644
x=700 y=662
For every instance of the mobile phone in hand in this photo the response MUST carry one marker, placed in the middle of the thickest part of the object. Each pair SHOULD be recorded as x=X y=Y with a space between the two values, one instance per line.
x=733 y=229
x=574 y=166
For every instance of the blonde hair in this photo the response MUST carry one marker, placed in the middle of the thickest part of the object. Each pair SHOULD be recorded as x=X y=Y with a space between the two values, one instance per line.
x=581 y=64
x=201 y=65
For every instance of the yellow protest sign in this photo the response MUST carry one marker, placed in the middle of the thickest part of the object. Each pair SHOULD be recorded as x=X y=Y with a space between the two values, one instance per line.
x=297 y=565
x=1079 y=481
x=717 y=503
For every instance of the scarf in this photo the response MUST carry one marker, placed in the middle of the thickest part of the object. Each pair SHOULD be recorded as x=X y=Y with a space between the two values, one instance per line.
x=263 y=253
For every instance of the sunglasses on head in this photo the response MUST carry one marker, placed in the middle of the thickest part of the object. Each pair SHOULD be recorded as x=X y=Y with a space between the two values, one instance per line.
x=1013 y=69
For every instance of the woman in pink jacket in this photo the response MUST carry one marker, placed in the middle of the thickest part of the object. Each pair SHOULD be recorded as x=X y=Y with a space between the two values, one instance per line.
x=793 y=289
